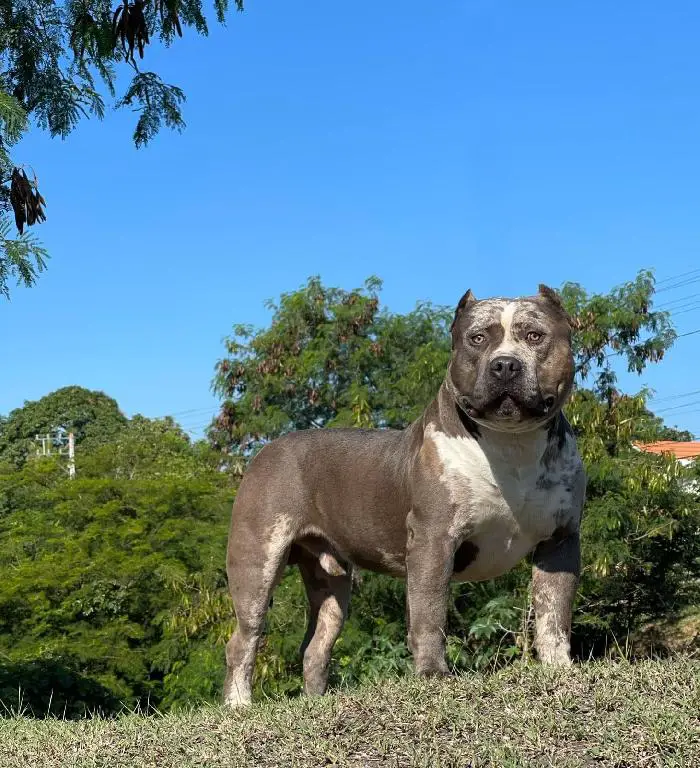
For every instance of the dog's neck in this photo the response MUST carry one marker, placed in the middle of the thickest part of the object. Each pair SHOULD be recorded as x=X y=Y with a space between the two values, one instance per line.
x=457 y=422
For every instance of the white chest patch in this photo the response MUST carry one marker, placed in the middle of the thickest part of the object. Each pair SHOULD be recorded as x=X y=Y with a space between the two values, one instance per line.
x=499 y=501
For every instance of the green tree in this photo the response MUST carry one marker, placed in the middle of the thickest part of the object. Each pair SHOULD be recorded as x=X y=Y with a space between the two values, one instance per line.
x=333 y=358
x=154 y=448
x=97 y=570
x=60 y=62
x=113 y=584
x=329 y=358
x=93 y=417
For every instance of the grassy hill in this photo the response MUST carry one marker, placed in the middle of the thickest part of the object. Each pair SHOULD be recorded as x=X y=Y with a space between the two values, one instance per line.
x=595 y=714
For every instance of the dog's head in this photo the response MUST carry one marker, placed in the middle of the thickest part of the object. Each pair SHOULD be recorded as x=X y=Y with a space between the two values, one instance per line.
x=511 y=367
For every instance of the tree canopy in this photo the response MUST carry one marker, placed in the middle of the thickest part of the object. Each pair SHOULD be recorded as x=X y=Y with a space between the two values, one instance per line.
x=114 y=587
x=60 y=62
x=97 y=570
x=331 y=357
x=91 y=416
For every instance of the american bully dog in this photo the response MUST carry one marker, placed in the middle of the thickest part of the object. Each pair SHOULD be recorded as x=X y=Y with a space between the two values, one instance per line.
x=488 y=474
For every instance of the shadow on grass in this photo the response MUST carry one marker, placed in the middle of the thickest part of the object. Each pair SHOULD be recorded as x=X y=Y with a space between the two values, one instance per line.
x=49 y=688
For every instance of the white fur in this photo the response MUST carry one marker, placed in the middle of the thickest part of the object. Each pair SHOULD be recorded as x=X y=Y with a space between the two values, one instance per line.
x=493 y=484
x=280 y=539
x=240 y=692
x=551 y=639
x=507 y=314
x=511 y=346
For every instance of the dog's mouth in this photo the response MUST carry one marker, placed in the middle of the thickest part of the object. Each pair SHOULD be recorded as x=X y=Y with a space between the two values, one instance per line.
x=508 y=407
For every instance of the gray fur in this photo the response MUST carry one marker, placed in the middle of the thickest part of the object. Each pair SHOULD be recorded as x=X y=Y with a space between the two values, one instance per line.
x=488 y=474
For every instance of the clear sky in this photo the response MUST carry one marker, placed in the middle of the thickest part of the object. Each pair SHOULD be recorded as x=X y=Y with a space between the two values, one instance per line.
x=440 y=146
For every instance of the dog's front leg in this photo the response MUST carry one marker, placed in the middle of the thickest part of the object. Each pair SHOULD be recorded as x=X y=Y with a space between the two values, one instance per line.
x=429 y=562
x=555 y=576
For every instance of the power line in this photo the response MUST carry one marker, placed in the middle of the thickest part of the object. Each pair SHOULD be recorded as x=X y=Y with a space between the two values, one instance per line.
x=688 y=303
x=679 y=336
x=675 y=397
x=678 y=407
x=676 y=301
x=683 y=310
x=193 y=411
x=685 y=413
x=677 y=277
x=679 y=284
x=191 y=427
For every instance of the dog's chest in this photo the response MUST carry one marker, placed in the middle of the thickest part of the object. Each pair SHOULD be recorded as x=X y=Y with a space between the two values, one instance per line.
x=503 y=500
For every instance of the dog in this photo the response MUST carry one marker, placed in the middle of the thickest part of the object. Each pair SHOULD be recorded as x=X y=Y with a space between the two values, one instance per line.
x=488 y=474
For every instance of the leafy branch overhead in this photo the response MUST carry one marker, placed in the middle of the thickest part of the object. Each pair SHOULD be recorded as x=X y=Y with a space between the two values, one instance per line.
x=59 y=61
x=56 y=54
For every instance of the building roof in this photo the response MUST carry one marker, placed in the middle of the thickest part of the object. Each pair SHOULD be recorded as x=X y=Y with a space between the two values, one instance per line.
x=678 y=449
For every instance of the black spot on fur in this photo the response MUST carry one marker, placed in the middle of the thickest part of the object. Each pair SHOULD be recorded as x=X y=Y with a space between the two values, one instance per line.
x=465 y=556
x=469 y=424
x=545 y=483
x=557 y=432
x=559 y=429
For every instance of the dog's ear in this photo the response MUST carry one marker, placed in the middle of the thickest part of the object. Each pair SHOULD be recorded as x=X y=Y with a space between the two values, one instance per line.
x=553 y=298
x=465 y=301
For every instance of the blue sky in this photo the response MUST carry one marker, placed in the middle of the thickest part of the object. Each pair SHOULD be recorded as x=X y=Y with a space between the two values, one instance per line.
x=440 y=146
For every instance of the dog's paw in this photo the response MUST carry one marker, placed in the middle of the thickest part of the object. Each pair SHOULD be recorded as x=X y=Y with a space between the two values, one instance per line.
x=432 y=669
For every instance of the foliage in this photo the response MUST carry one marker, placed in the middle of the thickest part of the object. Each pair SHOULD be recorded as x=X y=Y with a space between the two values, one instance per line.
x=329 y=358
x=334 y=358
x=152 y=448
x=621 y=323
x=57 y=54
x=21 y=258
x=115 y=589
x=93 y=417
x=60 y=61
x=95 y=568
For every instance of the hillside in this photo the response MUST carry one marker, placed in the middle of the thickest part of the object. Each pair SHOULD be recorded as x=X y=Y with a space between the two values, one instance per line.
x=601 y=714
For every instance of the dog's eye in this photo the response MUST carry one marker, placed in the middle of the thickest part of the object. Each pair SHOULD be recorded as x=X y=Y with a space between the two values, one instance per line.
x=478 y=338
x=534 y=336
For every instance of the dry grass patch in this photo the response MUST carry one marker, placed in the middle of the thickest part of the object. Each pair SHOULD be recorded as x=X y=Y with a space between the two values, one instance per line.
x=596 y=714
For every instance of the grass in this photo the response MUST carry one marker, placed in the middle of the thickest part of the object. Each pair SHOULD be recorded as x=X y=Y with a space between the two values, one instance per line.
x=595 y=714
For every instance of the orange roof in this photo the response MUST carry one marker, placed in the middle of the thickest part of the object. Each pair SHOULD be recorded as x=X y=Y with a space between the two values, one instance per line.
x=678 y=449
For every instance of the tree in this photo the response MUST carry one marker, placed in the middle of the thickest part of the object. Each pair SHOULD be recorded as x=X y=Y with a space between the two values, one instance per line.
x=97 y=570
x=60 y=61
x=329 y=358
x=333 y=358
x=93 y=417
x=113 y=584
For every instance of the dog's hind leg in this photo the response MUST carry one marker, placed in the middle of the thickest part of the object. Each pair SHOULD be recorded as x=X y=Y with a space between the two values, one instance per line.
x=252 y=577
x=329 y=597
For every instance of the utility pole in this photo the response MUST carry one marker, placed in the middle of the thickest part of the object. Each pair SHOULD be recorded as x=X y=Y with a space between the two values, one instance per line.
x=71 y=456
x=45 y=441
x=64 y=444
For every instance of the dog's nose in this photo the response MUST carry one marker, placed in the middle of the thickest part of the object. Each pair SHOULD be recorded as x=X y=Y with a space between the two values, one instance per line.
x=506 y=368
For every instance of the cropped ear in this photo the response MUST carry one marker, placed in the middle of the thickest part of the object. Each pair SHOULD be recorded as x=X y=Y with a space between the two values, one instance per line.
x=554 y=299
x=467 y=299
